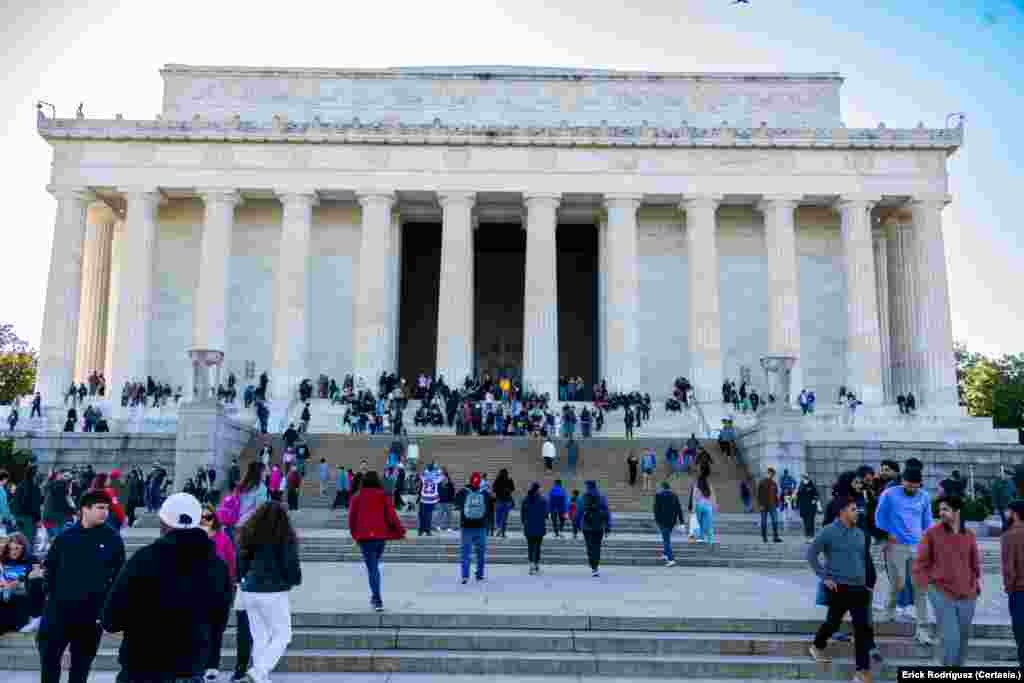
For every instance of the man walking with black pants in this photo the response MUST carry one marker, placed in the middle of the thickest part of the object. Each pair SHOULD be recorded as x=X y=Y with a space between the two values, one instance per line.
x=768 y=500
x=846 y=579
x=79 y=571
x=595 y=521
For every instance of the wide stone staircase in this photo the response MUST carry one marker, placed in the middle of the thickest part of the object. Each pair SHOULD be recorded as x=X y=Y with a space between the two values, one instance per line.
x=603 y=460
x=554 y=644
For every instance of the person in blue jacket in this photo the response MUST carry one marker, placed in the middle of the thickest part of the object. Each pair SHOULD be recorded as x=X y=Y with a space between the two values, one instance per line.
x=534 y=512
x=558 y=507
x=594 y=519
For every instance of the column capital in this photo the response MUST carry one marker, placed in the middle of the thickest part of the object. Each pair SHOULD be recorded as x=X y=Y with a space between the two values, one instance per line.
x=622 y=200
x=853 y=202
x=368 y=198
x=80 y=193
x=700 y=201
x=146 y=193
x=769 y=202
x=297 y=197
x=219 y=195
x=454 y=197
x=542 y=199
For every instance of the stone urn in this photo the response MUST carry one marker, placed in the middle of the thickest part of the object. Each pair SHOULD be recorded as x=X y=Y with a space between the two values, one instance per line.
x=778 y=372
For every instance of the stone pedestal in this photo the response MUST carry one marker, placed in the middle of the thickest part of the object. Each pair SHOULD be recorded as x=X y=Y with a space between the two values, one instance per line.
x=778 y=378
x=197 y=441
x=778 y=442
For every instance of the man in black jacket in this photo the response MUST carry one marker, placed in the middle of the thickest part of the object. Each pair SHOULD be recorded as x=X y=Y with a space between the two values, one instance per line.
x=667 y=513
x=79 y=570
x=27 y=504
x=171 y=600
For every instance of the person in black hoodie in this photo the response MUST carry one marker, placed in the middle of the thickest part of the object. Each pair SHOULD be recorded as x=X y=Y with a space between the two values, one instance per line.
x=27 y=504
x=79 y=570
x=179 y=581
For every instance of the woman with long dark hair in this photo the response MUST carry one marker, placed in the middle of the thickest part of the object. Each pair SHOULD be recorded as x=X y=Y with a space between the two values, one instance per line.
x=268 y=564
x=704 y=504
x=21 y=586
x=373 y=522
x=252 y=492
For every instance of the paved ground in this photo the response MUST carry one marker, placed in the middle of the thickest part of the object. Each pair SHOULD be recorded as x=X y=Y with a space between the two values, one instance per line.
x=108 y=677
x=620 y=591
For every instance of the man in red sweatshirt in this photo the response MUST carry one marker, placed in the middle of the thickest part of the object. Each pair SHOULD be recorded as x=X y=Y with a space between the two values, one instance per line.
x=948 y=563
x=1012 y=542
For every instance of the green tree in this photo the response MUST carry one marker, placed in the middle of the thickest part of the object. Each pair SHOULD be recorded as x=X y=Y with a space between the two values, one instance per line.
x=17 y=365
x=980 y=382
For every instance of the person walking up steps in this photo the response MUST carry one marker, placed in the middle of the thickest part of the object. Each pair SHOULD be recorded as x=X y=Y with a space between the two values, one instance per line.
x=534 y=513
x=503 y=489
x=768 y=501
x=268 y=564
x=474 y=504
x=668 y=512
x=557 y=507
x=704 y=505
x=1012 y=546
x=373 y=522
x=595 y=521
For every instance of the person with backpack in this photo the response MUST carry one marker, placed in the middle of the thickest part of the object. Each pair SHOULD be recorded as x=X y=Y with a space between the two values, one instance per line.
x=238 y=506
x=475 y=506
x=534 y=513
x=594 y=519
x=373 y=521
x=503 y=489
x=294 y=484
x=557 y=507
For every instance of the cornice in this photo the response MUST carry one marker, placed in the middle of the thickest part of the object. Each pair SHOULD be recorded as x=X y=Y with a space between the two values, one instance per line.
x=356 y=133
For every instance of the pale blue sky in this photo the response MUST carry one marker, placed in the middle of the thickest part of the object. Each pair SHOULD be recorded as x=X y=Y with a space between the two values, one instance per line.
x=903 y=62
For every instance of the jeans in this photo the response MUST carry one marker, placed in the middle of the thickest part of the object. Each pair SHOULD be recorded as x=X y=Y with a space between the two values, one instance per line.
x=666 y=542
x=765 y=514
x=1017 y=617
x=857 y=601
x=593 y=540
x=444 y=515
x=502 y=516
x=55 y=636
x=372 y=552
x=953 y=621
x=533 y=548
x=426 y=517
x=474 y=538
x=270 y=623
x=706 y=519
x=557 y=523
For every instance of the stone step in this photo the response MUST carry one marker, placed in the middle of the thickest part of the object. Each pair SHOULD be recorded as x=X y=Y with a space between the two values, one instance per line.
x=488 y=663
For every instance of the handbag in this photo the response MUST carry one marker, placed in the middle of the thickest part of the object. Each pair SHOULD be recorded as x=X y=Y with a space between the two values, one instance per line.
x=230 y=509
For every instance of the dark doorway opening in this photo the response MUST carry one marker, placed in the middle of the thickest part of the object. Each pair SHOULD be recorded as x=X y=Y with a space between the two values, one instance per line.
x=417 y=314
x=577 y=304
x=499 y=276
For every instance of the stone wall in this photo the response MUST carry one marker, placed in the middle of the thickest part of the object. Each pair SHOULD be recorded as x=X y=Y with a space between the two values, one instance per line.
x=104 y=451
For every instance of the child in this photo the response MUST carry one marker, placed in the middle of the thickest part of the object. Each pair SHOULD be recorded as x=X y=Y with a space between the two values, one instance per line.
x=572 y=512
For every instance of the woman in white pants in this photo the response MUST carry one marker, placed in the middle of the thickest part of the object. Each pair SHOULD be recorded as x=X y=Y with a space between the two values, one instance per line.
x=268 y=564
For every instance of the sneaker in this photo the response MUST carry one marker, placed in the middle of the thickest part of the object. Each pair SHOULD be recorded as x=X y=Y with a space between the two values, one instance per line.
x=465 y=581
x=32 y=626
x=670 y=563
x=595 y=574
x=211 y=675
x=778 y=540
x=379 y=607
x=876 y=655
x=536 y=569
x=532 y=570
x=480 y=579
x=819 y=655
x=923 y=637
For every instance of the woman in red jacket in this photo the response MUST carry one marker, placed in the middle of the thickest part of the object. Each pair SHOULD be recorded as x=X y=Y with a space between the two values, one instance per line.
x=373 y=521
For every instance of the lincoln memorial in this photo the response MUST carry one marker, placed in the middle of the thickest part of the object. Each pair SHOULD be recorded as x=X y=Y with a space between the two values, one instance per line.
x=533 y=222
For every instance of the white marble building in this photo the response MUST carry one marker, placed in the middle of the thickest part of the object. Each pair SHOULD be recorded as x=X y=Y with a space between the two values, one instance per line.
x=264 y=214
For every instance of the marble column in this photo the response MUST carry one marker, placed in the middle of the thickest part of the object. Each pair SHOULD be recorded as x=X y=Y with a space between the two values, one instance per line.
x=395 y=297
x=783 y=284
x=92 y=319
x=116 y=267
x=540 y=316
x=933 y=328
x=135 y=290
x=210 y=305
x=456 y=300
x=58 y=344
x=863 y=341
x=622 y=290
x=902 y=264
x=705 y=329
x=882 y=296
x=290 y=345
x=602 y=297
x=373 y=334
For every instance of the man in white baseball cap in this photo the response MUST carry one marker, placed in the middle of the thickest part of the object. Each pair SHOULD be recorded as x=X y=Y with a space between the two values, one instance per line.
x=175 y=585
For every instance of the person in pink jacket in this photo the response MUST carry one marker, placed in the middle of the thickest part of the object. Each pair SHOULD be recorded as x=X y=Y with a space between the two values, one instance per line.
x=276 y=479
x=226 y=551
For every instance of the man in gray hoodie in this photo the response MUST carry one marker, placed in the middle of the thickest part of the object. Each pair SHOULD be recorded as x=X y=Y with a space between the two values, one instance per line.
x=845 y=575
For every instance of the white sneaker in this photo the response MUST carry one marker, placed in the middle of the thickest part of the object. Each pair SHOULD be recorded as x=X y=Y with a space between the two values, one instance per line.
x=595 y=574
x=670 y=563
x=923 y=637
x=211 y=675
x=32 y=626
